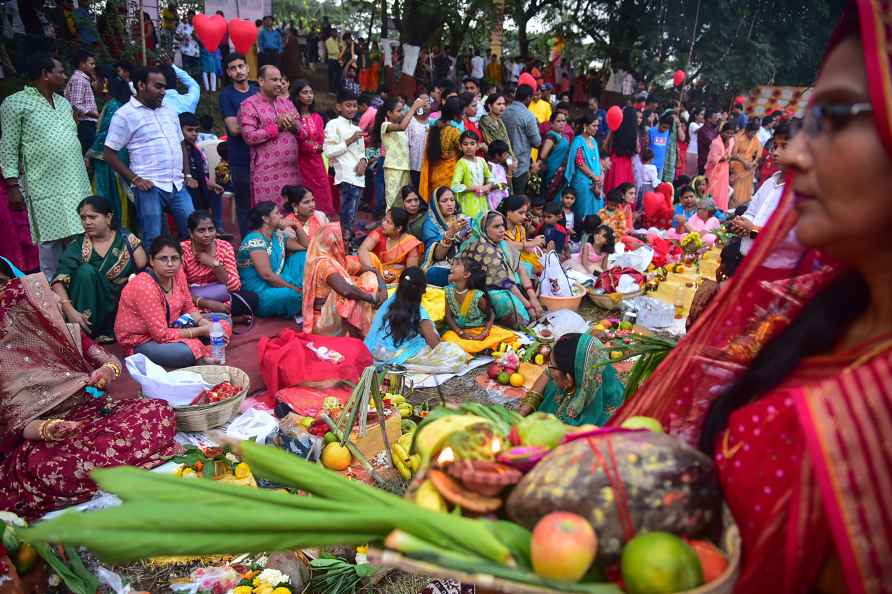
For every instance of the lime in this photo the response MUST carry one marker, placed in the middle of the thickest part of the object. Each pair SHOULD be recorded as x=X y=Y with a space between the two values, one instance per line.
x=330 y=437
x=658 y=563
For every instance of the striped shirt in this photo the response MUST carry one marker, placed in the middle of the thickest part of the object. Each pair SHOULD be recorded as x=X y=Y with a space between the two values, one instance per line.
x=79 y=93
x=153 y=137
x=199 y=274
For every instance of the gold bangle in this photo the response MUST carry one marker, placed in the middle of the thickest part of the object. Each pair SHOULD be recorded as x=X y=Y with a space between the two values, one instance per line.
x=41 y=431
x=116 y=369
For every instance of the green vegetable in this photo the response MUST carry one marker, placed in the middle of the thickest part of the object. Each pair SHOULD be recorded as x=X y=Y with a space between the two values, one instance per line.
x=650 y=351
x=335 y=576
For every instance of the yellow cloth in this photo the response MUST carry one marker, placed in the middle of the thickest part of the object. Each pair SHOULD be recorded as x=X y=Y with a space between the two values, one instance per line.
x=497 y=335
x=541 y=109
x=433 y=300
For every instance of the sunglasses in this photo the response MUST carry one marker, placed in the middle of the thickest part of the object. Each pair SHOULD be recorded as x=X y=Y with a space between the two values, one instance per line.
x=824 y=117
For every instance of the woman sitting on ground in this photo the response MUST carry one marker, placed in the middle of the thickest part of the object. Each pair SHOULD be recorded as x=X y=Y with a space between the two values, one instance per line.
x=579 y=387
x=504 y=273
x=153 y=305
x=268 y=265
x=94 y=268
x=340 y=295
x=209 y=264
x=417 y=214
x=395 y=248
x=443 y=232
x=402 y=332
x=300 y=204
x=53 y=432
x=516 y=210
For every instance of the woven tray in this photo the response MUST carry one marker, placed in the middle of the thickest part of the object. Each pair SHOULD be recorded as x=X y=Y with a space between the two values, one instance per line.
x=486 y=583
x=611 y=301
x=207 y=416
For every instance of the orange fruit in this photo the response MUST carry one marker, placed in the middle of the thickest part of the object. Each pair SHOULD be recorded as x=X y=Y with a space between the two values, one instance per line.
x=658 y=563
x=336 y=457
x=516 y=380
x=712 y=560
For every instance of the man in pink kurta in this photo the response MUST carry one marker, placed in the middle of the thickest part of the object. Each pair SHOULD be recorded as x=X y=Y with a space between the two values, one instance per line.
x=270 y=125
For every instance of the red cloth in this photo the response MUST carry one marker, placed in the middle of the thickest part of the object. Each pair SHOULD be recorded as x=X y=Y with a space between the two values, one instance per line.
x=658 y=211
x=609 y=279
x=620 y=172
x=665 y=251
x=285 y=360
x=16 y=244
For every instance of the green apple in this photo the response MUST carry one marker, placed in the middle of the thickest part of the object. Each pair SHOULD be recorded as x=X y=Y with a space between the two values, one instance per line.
x=648 y=423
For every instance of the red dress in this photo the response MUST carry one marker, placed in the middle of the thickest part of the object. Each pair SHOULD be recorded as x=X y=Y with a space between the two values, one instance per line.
x=621 y=171
x=312 y=168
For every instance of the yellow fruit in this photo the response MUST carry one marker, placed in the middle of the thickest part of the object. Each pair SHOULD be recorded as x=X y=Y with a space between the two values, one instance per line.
x=428 y=497
x=599 y=328
x=616 y=355
x=187 y=472
x=25 y=558
x=402 y=468
x=540 y=360
x=414 y=462
x=398 y=399
x=516 y=380
x=406 y=410
x=431 y=437
x=336 y=457
x=242 y=470
x=405 y=440
x=399 y=452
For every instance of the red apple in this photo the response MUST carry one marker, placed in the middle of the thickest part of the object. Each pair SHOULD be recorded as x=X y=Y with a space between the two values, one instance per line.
x=563 y=547
x=494 y=370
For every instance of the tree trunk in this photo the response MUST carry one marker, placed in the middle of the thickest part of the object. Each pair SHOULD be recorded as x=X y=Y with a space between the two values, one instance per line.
x=523 y=41
x=383 y=20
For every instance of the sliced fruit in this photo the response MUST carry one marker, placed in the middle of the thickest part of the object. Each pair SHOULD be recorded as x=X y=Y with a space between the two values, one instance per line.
x=428 y=497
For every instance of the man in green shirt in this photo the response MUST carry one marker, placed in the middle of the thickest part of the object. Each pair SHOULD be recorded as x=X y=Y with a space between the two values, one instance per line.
x=39 y=132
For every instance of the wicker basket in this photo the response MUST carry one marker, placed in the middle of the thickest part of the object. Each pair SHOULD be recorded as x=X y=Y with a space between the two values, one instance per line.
x=555 y=303
x=484 y=583
x=611 y=301
x=207 y=416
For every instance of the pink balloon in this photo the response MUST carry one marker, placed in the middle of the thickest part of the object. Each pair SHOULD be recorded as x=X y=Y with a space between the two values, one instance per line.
x=740 y=100
x=614 y=118
x=243 y=35
x=210 y=30
x=678 y=77
x=527 y=79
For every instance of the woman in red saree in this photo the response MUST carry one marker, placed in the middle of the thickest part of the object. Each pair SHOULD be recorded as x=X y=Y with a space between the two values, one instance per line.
x=52 y=433
x=786 y=379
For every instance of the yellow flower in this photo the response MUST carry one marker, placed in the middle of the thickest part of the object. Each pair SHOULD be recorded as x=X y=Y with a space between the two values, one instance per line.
x=362 y=550
x=281 y=591
x=243 y=590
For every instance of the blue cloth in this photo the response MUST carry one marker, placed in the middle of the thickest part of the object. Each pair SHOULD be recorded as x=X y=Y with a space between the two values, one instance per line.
x=680 y=210
x=587 y=202
x=350 y=197
x=149 y=206
x=557 y=158
x=505 y=303
x=274 y=301
x=183 y=102
x=381 y=345
x=658 y=143
x=230 y=101
x=523 y=131
x=211 y=61
x=12 y=267
x=270 y=40
x=602 y=125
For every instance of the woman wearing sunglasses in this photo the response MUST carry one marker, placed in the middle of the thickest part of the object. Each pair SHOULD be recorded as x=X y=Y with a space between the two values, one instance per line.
x=786 y=379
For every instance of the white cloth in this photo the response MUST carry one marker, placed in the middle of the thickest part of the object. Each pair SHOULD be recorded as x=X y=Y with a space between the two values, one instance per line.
x=477 y=64
x=763 y=135
x=153 y=137
x=762 y=206
x=185 y=41
x=650 y=177
x=410 y=58
x=692 y=138
x=342 y=157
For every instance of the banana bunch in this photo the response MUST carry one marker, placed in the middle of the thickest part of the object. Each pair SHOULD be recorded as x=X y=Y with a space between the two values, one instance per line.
x=404 y=406
x=406 y=465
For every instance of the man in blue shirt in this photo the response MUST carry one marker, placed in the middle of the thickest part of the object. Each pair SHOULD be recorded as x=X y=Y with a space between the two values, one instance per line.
x=269 y=44
x=658 y=141
x=595 y=108
x=231 y=98
x=180 y=102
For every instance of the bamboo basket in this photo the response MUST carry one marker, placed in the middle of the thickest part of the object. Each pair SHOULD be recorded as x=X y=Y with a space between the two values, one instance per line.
x=572 y=302
x=730 y=545
x=611 y=301
x=208 y=416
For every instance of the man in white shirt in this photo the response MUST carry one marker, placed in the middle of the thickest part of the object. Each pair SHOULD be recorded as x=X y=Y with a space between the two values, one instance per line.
x=765 y=202
x=345 y=148
x=151 y=133
x=765 y=129
x=477 y=64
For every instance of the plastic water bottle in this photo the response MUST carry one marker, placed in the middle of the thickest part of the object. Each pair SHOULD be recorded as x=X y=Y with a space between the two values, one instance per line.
x=218 y=342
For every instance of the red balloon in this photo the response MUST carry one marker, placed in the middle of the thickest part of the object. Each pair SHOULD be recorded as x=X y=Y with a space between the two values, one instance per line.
x=243 y=35
x=678 y=77
x=210 y=30
x=527 y=79
x=614 y=118
x=740 y=100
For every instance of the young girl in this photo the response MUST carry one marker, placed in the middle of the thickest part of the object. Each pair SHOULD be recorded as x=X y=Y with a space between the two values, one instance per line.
x=597 y=246
x=389 y=132
x=468 y=313
x=472 y=179
x=568 y=199
x=613 y=214
x=498 y=157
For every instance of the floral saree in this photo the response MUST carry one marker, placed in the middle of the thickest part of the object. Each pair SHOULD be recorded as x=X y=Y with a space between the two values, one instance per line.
x=810 y=451
x=94 y=282
x=42 y=376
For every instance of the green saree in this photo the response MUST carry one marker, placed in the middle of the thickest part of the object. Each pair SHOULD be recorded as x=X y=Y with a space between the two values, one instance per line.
x=598 y=394
x=94 y=282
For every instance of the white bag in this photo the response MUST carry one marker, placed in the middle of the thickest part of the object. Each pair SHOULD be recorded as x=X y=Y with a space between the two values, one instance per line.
x=554 y=282
x=178 y=388
x=253 y=424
